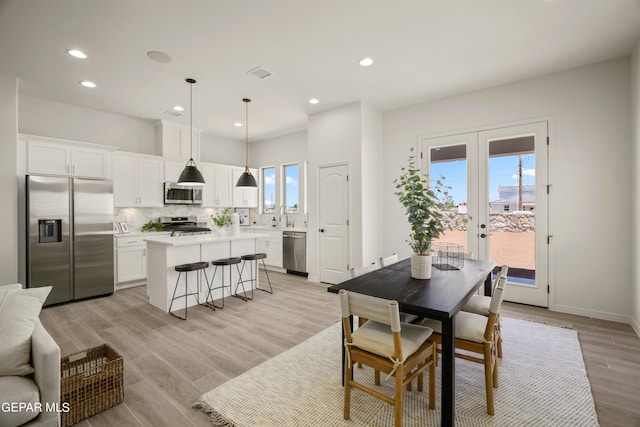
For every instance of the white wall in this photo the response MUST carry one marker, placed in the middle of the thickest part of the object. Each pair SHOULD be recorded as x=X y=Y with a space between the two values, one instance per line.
x=590 y=167
x=215 y=149
x=353 y=135
x=635 y=124
x=282 y=150
x=8 y=178
x=333 y=137
x=39 y=116
x=372 y=184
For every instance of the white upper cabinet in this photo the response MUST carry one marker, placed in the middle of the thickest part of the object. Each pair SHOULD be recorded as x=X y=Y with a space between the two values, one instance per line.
x=217 y=188
x=172 y=170
x=58 y=157
x=138 y=181
x=244 y=197
x=175 y=141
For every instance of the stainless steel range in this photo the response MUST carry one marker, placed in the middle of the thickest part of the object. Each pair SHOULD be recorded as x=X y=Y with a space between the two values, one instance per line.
x=182 y=225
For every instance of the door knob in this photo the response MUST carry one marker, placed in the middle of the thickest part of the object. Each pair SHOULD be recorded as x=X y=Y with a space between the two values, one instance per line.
x=321 y=230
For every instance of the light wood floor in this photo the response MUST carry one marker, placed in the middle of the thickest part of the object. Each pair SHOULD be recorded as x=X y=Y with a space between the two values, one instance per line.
x=169 y=363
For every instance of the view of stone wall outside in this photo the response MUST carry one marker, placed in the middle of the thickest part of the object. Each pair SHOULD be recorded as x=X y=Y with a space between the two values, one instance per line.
x=513 y=222
x=512 y=239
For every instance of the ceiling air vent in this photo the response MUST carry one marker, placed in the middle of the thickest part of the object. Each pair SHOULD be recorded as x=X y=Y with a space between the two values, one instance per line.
x=259 y=72
x=173 y=113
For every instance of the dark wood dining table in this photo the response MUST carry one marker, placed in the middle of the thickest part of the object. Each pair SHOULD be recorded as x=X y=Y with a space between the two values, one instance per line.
x=440 y=298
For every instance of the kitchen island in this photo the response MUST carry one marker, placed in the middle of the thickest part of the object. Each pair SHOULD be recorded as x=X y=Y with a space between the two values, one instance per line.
x=164 y=253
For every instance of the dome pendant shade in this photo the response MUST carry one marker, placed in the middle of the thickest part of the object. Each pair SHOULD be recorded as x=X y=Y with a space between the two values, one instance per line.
x=246 y=179
x=191 y=175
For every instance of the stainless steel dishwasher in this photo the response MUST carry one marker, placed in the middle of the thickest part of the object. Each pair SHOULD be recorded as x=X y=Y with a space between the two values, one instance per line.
x=294 y=252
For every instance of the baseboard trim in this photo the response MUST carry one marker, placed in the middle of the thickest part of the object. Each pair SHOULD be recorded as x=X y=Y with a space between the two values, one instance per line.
x=603 y=315
x=635 y=325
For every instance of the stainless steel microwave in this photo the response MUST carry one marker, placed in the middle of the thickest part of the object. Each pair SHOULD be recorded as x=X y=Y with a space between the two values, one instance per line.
x=175 y=194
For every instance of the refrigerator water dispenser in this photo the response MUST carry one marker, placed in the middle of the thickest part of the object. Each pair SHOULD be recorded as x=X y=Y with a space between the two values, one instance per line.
x=49 y=230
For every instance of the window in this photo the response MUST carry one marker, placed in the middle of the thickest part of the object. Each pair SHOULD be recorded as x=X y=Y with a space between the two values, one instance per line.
x=268 y=190
x=291 y=179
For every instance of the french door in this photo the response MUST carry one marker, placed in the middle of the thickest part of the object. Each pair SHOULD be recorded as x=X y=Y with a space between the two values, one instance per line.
x=498 y=182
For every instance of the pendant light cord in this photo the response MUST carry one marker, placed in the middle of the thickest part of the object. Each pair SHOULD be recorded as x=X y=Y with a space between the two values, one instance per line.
x=246 y=101
x=191 y=121
x=191 y=82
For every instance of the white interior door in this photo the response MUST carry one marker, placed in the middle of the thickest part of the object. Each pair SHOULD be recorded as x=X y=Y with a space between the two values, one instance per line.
x=498 y=181
x=333 y=220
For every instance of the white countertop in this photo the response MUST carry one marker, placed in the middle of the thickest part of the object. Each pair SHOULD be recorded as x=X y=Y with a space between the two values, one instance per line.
x=264 y=227
x=198 y=239
x=143 y=233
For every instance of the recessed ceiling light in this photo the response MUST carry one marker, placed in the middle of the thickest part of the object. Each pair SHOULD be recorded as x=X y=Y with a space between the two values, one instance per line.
x=365 y=62
x=313 y=101
x=158 y=56
x=178 y=108
x=77 y=53
x=237 y=124
x=87 y=83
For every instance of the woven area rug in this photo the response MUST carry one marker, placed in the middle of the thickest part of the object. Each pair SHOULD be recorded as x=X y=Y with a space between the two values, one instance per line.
x=543 y=382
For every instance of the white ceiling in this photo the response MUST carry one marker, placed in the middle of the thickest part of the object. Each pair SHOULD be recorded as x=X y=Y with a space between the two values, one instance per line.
x=423 y=49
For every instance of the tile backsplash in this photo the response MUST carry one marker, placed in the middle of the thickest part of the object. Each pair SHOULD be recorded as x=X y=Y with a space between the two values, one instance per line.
x=137 y=217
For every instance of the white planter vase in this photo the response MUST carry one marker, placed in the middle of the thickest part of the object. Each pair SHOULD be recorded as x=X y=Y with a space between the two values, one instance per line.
x=421 y=266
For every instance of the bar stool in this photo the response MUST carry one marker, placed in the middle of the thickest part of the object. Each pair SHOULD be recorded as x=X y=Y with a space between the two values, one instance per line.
x=186 y=268
x=254 y=268
x=222 y=263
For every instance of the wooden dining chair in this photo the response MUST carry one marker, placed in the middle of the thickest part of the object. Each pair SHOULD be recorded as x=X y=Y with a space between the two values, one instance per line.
x=388 y=260
x=384 y=262
x=401 y=350
x=479 y=304
x=476 y=333
x=359 y=271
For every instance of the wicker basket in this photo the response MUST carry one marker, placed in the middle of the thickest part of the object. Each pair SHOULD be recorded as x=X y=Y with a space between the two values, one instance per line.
x=91 y=381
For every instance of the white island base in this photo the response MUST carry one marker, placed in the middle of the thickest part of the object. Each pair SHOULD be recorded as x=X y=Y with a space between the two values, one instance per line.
x=164 y=253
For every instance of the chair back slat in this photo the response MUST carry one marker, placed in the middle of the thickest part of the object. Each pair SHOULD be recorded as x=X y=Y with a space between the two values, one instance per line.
x=391 y=259
x=359 y=271
x=368 y=307
x=498 y=295
x=503 y=272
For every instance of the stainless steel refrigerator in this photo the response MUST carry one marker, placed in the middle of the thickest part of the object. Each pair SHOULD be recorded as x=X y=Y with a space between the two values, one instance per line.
x=69 y=237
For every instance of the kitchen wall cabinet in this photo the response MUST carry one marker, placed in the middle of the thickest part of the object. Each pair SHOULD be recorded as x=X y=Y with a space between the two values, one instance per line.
x=172 y=170
x=217 y=191
x=44 y=156
x=244 y=197
x=138 y=181
x=175 y=141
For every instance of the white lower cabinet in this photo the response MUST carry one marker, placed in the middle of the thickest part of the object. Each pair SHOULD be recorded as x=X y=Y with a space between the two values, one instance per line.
x=272 y=246
x=131 y=259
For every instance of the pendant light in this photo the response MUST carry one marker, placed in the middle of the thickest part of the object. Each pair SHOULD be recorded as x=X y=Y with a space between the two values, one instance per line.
x=246 y=179
x=191 y=175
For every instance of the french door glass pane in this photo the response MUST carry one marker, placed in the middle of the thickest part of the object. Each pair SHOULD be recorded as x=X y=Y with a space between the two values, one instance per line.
x=450 y=162
x=512 y=203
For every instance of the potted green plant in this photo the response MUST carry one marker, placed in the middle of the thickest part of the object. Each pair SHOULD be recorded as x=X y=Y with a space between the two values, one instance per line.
x=222 y=220
x=425 y=206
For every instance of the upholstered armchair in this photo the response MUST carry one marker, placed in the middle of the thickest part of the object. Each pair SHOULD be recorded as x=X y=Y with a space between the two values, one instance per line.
x=29 y=389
